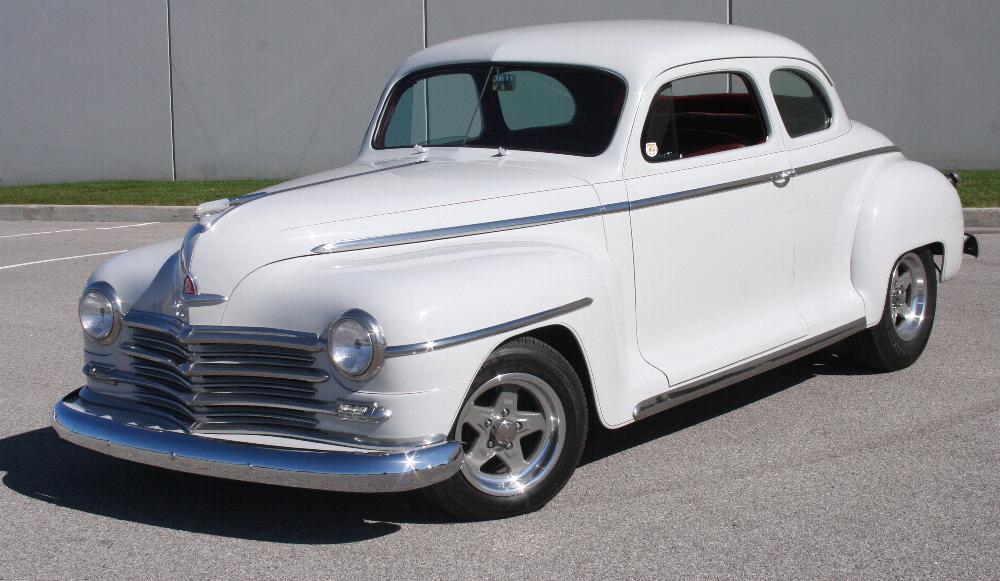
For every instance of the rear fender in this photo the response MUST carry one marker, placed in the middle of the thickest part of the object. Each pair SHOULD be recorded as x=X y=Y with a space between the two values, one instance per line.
x=909 y=205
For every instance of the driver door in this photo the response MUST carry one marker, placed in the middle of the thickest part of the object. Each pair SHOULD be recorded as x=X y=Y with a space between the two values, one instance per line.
x=712 y=222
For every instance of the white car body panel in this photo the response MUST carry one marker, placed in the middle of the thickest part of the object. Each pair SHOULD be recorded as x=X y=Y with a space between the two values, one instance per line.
x=680 y=291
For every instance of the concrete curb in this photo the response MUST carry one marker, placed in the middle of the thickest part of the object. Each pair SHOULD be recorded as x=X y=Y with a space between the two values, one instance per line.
x=974 y=217
x=982 y=217
x=60 y=213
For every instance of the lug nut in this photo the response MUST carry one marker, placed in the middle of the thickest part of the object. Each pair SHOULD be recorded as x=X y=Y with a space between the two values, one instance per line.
x=508 y=445
x=490 y=444
x=505 y=412
x=489 y=422
x=518 y=425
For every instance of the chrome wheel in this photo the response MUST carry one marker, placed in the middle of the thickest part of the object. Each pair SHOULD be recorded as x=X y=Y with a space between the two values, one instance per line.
x=908 y=296
x=512 y=431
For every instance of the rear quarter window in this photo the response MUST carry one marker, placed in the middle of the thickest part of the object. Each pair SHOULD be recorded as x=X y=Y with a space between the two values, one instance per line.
x=803 y=106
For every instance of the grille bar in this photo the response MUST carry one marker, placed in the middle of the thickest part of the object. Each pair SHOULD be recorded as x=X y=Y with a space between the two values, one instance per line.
x=217 y=379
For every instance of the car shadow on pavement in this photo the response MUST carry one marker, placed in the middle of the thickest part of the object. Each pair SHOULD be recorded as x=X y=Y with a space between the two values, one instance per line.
x=38 y=464
x=602 y=442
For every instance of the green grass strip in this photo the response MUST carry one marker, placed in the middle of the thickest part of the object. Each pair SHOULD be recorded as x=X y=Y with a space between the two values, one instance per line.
x=140 y=193
x=979 y=189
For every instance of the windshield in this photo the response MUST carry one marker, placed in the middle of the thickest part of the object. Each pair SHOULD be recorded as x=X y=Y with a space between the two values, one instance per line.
x=571 y=110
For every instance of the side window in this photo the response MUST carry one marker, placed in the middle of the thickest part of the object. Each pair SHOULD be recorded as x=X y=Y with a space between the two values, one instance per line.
x=802 y=105
x=700 y=115
x=532 y=99
x=435 y=110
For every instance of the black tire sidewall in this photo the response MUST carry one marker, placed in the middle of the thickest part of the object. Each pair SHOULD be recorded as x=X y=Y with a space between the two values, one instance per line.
x=525 y=355
x=904 y=353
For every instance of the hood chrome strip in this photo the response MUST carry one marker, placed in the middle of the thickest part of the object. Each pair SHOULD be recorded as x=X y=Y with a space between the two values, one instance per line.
x=254 y=196
x=568 y=215
x=437 y=345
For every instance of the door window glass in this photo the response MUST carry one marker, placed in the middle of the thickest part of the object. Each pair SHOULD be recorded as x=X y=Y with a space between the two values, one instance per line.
x=700 y=115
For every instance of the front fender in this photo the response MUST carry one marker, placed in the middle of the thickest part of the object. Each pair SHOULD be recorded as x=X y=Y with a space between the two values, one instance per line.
x=908 y=205
x=433 y=291
x=132 y=272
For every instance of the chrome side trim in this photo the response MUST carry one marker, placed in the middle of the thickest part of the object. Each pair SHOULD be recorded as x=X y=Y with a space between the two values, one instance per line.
x=697 y=388
x=110 y=432
x=705 y=191
x=779 y=178
x=456 y=231
x=845 y=159
x=436 y=345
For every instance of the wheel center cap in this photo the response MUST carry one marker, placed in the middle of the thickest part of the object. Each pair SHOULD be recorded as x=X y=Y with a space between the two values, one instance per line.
x=504 y=432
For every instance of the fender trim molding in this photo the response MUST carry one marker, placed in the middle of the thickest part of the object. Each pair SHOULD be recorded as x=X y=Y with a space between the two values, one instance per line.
x=438 y=344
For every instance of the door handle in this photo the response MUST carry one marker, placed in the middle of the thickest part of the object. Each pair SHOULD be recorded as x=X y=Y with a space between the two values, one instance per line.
x=781 y=179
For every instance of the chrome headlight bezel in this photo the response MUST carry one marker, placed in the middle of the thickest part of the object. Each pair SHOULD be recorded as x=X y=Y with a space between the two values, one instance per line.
x=108 y=292
x=376 y=337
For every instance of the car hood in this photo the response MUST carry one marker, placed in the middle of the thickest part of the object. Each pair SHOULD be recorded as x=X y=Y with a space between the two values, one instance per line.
x=363 y=200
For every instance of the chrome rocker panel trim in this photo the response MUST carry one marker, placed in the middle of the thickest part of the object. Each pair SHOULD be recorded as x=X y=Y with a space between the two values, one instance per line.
x=88 y=426
x=700 y=387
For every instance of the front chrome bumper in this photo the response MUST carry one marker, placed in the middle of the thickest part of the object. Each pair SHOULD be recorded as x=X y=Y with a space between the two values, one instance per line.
x=98 y=429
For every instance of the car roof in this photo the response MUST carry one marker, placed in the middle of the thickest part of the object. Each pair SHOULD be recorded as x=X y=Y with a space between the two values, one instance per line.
x=636 y=49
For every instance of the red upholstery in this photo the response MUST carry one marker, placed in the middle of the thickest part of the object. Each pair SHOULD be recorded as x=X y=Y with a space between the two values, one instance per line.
x=694 y=125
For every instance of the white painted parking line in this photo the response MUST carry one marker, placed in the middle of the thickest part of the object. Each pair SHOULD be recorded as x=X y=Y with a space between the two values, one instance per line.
x=78 y=230
x=63 y=258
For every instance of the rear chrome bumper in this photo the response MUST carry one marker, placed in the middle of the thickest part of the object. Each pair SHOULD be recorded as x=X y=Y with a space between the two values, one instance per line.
x=104 y=430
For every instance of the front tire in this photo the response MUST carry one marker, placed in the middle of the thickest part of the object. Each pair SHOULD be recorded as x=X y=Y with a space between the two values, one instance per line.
x=899 y=338
x=522 y=427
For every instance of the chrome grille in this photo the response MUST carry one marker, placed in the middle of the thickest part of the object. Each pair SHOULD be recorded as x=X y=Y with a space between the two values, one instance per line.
x=225 y=379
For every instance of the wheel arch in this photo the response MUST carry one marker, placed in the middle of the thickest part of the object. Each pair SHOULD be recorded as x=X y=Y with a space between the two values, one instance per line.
x=908 y=206
x=565 y=341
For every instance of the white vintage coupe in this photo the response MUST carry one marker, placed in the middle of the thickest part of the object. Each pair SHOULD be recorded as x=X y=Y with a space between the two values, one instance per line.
x=543 y=225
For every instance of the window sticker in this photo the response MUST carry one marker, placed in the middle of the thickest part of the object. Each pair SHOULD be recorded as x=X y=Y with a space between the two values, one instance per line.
x=652 y=149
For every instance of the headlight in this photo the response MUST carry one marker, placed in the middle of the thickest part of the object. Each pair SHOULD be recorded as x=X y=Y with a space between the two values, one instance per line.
x=356 y=345
x=100 y=313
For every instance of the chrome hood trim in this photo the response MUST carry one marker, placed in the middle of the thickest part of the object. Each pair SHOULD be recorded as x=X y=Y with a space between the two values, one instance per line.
x=427 y=195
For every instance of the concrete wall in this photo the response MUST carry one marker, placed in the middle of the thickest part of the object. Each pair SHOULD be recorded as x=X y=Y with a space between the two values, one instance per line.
x=924 y=72
x=83 y=90
x=281 y=88
x=261 y=88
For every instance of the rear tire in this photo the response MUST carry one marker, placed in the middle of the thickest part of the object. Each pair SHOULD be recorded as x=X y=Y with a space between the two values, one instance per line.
x=899 y=338
x=522 y=427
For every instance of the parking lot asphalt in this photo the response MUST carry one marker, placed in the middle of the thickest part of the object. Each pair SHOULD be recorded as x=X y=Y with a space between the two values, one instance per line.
x=817 y=469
